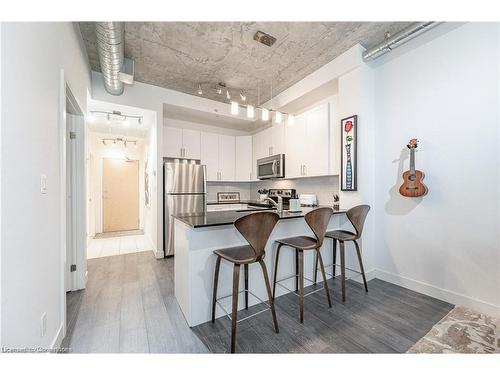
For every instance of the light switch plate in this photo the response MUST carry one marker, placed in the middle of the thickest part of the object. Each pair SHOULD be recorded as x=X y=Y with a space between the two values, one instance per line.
x=43 y=184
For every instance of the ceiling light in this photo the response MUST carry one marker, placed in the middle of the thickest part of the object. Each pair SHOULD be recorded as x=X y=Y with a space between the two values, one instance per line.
x=291 y=119
x=219 y=90
x=234 y=108
x=200 y=91
x=104 y=142
x=91 y=118
x=250 y=111
x=228 y=97
x=243 y=96
x=265 y=114
x=139 y=120
x=278 y=118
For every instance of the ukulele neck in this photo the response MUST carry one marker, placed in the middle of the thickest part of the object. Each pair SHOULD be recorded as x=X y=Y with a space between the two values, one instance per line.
x=412 y=161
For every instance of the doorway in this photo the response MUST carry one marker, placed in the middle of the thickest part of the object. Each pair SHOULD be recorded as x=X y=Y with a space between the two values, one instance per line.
x=120 y=195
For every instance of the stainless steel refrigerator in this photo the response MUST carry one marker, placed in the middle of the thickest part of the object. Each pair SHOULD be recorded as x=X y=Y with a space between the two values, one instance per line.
x=184 y=186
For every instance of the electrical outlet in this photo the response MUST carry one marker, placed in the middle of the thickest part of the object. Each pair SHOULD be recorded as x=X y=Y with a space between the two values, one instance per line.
x=43 y=324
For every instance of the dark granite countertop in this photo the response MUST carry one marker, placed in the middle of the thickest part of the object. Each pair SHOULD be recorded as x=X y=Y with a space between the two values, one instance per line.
x=216 y=218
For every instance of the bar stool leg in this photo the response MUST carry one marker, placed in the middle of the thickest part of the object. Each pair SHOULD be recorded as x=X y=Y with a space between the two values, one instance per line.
x=301 y=284
x=234 y=313
x=325 y=284
x=271 y=299
x=342 y=268
x=315 y=268
x=296 y=270
x=361 y=265
x=216 y=281
x=276 y=270
x=334 y=257
x=245 y=267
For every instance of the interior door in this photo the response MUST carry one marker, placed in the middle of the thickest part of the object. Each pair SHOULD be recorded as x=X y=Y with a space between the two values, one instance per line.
x=120 y=195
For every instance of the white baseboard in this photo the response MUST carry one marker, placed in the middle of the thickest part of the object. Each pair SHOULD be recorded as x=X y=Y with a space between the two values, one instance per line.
x=158 y=254
x=439 y=293
x=56 y=342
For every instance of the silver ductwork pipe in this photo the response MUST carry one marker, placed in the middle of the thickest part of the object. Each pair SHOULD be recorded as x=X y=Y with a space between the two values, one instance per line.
x=110 y=47
x=398 y=39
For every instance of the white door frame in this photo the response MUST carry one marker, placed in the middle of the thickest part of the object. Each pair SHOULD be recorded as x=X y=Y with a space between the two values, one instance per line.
x=78 y=198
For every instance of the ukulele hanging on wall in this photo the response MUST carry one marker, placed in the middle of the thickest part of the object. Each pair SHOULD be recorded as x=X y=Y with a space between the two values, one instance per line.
x=412 y=186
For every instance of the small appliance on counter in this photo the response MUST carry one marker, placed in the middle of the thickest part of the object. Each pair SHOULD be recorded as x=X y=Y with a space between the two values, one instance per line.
x=228 y=197
x=285 y=194
x=294 y=204
x=308 y=200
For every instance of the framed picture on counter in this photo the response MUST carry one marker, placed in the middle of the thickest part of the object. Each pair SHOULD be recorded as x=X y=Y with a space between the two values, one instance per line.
x=348 y=153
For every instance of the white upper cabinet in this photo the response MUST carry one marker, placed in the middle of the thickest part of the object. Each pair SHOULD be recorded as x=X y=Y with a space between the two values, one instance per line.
x=191 y=144
x=244 y=159
x=227 y=157
x=181 y=143
x=270 y=141
x=317 y=157
x=219 y=155
x=295 y=147
x=308 y=144
x=210 y=155
x=172 y=142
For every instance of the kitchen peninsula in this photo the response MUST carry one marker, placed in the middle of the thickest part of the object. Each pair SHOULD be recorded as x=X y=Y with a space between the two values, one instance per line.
x=197 y=236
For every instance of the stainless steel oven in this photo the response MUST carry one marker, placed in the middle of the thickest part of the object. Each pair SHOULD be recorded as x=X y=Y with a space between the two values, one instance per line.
x=271 y=167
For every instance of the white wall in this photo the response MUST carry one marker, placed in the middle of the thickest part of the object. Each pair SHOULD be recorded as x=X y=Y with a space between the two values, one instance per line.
x=445 y=93
x=32 y=58
x=99 y=152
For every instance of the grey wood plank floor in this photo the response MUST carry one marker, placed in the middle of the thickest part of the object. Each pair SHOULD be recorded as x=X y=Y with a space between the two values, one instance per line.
x=129 y=307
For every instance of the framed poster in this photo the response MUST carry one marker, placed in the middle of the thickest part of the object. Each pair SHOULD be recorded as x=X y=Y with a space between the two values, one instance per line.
x=348 y=154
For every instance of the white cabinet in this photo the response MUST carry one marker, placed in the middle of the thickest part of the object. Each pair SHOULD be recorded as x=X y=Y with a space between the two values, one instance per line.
x=244 y=159
x=218 y=154
x=181 y=143
x=227 y=158
x=210 y=155
x=308 y=144
x=172 y=142
x=191 y=144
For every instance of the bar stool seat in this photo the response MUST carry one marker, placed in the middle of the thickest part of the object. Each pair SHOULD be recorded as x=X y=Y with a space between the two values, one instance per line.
x=256 y=229
x=299 y=242
x=238 y=254
x=317 y=220
x=342 y=235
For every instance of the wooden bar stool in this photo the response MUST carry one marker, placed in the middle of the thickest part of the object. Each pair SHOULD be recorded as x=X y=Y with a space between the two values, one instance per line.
x=357 y=216
x=317 y=220
x=256 y=229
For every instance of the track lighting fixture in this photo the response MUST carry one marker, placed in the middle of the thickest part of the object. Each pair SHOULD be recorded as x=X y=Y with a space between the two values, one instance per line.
x=117 y=115
x=200 y=91
x=228 y=97
x=243 y=96
x=115 y=142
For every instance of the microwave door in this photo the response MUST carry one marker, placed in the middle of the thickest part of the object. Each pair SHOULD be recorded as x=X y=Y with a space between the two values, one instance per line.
x=266 y=170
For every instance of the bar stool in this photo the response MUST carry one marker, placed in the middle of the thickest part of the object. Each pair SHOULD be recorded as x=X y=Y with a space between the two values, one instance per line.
x=356 y=216
x=318 y=221
x=256 y=229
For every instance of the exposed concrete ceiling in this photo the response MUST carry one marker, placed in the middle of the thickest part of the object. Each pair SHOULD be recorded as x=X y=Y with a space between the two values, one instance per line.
x=180 y=55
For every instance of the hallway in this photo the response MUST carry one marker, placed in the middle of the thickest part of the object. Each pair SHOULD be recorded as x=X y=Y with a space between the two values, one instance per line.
x=129 y=307
x=105 y=247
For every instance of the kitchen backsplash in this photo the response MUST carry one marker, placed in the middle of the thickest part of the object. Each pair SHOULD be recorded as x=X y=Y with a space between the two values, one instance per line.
x=323 y=187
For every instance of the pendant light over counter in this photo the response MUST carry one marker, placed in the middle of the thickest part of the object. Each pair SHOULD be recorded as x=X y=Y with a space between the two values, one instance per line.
x=265 y=113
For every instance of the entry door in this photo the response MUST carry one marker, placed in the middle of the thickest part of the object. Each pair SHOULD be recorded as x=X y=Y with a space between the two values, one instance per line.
x=120 y=195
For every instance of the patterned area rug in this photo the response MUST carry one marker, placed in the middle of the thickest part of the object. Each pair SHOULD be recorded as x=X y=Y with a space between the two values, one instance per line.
x=461 y=331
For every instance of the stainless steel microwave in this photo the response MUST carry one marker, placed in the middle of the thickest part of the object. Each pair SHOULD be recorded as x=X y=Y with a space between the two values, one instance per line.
x=271 y=167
